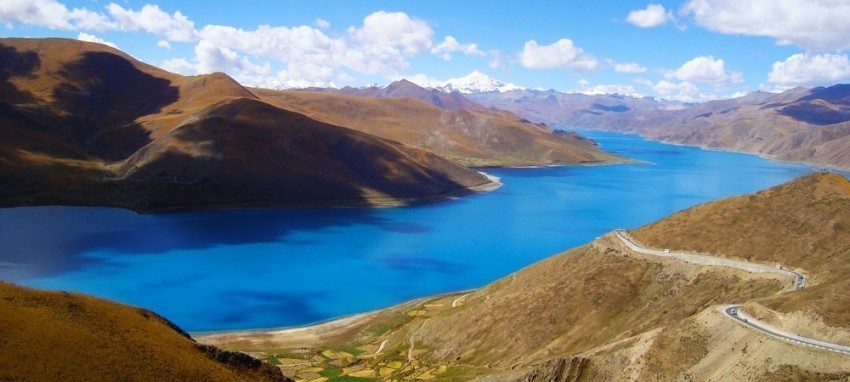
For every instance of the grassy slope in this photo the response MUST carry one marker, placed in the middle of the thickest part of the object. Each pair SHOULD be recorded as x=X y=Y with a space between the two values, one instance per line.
x=803 y=224
x=79 y=117
x=473 y=138
x=570 y=303
x=53 y=336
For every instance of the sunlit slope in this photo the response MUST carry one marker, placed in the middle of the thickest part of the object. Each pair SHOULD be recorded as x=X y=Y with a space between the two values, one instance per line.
x=803 y=224
x=470 y=137
x=58 y=336
x=85 y=124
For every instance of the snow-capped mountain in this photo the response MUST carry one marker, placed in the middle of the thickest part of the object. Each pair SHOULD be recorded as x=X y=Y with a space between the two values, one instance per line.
x=477 y=82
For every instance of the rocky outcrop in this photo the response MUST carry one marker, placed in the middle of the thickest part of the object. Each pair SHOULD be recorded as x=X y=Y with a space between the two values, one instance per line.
x=244 y=363
x=558 y=370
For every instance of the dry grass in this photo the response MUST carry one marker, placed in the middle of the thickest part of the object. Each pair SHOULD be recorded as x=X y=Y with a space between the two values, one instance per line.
x=804 y=224
x=479 y=138
x=57 y=336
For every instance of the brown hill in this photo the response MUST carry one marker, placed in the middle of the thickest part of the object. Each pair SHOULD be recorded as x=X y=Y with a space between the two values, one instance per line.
x=58 y=336
x=804 y=224
x=472 y=138
x=604 y=312
x=801 y=125
x=85 y=124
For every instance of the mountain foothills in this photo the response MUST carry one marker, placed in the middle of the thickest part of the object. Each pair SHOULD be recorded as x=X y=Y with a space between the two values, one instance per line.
x=85 y=124
x=59 y=336
x=605 y=312
x=447 y=124
x=799 y=125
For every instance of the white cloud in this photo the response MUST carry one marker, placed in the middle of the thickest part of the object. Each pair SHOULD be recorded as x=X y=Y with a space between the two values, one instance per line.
x=92 y=38
x=300 y=55
x=651 y=16
x=55 y=15
x=301 y=43
x=561 y=54
x=627 y=67
x=44 y=13
x=809 y=70
x=381 y=45
x=151 y=19
x=179 y=65
x=811 y=24
x=88 y=20
x=705 y=69
x=451 y=45
x=301 y=76
x=211 y=58
x=394 y=29
x=424 y=81
x=322 y=23
x=683 y=91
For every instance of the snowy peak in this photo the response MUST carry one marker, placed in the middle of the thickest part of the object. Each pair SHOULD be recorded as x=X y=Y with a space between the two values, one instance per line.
x=477 y=82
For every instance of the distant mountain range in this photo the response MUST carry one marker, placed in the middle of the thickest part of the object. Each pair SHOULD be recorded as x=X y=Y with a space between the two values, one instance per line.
x=799 y=125
x=85 y=124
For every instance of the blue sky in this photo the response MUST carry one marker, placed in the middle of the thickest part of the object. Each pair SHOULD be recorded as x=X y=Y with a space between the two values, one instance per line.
x=689 y=50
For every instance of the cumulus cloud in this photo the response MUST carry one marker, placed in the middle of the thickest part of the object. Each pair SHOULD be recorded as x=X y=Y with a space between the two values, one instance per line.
x=451 y=45
x=809 y=70
x=706 y=69
x=90 y=20
x=651 y=16
x=381 y=45
x=92 y=38
x=381 y=28
x=561 y=54
x=179 y=65
x=281 y=43
x=683 y=91
x=811 y=24
x=44 y=13
x=424 y=80
x=300 y=55
x=151 y=19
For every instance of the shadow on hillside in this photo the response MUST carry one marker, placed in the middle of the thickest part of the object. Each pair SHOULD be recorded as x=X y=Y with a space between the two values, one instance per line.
x=104 y=94
x=815 y=114
x=15 y=64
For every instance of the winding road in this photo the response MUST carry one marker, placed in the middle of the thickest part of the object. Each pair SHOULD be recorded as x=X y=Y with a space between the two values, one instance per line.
x=734 y=311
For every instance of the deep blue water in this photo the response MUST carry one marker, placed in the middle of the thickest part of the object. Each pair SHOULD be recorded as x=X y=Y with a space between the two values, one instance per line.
x=271 y=268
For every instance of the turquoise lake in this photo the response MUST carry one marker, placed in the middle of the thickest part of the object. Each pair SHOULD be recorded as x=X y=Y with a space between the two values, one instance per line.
x=272 y=268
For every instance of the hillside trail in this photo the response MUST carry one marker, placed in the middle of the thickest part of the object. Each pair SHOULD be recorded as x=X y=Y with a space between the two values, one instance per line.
x=735 y=312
